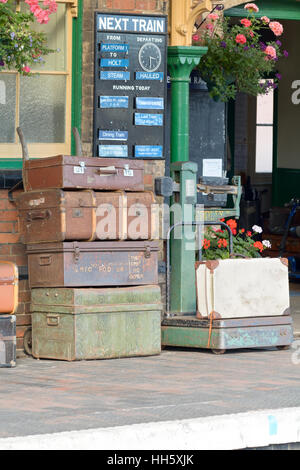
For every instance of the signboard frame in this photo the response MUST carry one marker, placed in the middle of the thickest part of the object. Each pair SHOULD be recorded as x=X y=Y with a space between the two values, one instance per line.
x=137 y=134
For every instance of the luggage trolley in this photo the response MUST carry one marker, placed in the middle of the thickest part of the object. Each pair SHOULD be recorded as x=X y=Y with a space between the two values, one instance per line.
x=219 y=335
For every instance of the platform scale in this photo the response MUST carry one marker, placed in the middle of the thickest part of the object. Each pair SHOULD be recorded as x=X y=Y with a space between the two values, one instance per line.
x=180 y=327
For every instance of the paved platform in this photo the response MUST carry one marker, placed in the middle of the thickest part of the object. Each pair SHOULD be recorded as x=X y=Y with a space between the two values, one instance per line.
x=186 y=398
x=39 y=397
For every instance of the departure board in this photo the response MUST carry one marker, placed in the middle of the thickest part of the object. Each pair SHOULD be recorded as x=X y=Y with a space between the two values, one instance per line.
x=130 y=98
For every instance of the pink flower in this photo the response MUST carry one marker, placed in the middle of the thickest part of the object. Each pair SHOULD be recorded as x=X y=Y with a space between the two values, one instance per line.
x=209 y=26
x=276 y=27
x=42 y=14
x=271 y=52
x=246 y=22
x=265 y=19
x=26 y=69
x=196 y=37
x=213 y=16
x=251 y=7
x=3 y=1
x=240 y=39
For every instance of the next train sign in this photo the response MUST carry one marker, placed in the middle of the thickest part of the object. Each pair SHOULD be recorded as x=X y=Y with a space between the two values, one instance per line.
x=130 y=86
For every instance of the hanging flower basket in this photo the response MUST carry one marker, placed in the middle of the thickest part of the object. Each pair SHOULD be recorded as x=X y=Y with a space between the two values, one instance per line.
x=20 y=45
x=237 y=59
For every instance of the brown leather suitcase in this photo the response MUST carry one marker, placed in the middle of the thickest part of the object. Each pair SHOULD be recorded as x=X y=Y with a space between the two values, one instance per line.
x=67 y=172
x=93 y=264
x=55 y=215
x=8 y=287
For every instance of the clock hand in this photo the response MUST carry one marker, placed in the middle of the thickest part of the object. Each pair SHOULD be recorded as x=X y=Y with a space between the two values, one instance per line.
x=151 y=58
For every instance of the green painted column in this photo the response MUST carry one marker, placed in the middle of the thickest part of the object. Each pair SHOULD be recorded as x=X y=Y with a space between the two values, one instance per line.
x=181 y=61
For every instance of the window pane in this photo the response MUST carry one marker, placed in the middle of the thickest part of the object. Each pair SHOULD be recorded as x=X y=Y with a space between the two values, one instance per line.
x=7 y=107
x=264 y=149
x=265 y=104
x=42 y=108
x=55 y=30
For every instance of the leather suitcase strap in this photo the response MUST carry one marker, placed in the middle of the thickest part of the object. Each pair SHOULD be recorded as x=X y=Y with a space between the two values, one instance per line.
x=94 y=218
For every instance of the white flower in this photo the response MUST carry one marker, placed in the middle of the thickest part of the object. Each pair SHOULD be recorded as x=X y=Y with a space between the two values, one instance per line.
x=267 y=243
x=257 y=229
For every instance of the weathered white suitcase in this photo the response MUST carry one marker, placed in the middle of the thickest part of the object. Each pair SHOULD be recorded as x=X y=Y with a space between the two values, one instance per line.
x=239 y=288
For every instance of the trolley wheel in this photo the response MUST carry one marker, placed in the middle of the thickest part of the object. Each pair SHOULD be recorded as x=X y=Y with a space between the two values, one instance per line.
x=28 y=341
x=218 y=351
x=283 y=348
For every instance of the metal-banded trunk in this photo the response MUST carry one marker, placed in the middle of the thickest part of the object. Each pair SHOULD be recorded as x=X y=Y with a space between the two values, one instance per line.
x=93 y=264
x=67 y=172
x=76 y=324
x=55 y=215
x=7 y=341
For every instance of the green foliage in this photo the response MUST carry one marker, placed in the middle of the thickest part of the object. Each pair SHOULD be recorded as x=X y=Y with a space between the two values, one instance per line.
x=230 y=66
x=20 y=45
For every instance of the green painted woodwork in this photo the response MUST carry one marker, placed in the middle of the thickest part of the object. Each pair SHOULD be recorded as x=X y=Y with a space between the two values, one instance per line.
x=228 y=338
x=275 y=9
x=77 y=324
x=11 y=163
x=77 y=73
x=286 y=185
x=181 y=61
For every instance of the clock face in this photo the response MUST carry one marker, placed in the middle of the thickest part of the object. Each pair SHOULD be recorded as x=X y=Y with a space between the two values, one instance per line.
x=149 y=57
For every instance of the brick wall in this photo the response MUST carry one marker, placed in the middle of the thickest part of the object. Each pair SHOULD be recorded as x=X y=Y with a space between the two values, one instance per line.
x=12 y=250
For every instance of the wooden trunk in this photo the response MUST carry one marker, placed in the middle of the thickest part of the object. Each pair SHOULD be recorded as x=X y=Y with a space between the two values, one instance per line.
x=66 y=172
x=55 y=215
x=93 y=264
x=75 y=324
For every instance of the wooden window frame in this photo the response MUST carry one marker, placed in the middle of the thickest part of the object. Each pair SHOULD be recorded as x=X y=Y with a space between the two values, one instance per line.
x=11 y=153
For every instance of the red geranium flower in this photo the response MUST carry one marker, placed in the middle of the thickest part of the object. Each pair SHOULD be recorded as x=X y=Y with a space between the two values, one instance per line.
x=206 y=244
x=259 y=246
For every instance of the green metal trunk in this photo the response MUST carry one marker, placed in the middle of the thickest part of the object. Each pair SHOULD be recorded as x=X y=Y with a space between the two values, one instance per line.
x=76 y=324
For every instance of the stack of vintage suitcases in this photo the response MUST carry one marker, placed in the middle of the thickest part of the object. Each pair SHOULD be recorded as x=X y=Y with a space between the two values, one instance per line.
x=8 y=305
x=93 y=269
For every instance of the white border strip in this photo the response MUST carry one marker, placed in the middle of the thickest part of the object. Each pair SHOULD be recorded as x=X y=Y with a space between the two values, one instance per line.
x=226 y=432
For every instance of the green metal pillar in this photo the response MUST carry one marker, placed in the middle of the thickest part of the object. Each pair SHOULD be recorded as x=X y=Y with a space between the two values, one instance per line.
x=181 y=61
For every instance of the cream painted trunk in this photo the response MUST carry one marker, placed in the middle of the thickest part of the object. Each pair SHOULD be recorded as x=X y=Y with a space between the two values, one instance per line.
x=239 y=288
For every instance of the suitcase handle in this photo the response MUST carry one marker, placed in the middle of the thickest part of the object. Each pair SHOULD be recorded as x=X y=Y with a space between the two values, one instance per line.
x=45 y=260
x=109 y=170
x=35 y=215
x=53 y=320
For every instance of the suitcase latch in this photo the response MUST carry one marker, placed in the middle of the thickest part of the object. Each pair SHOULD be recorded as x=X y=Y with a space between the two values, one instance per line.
x=76 y=253
x=148 y=251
